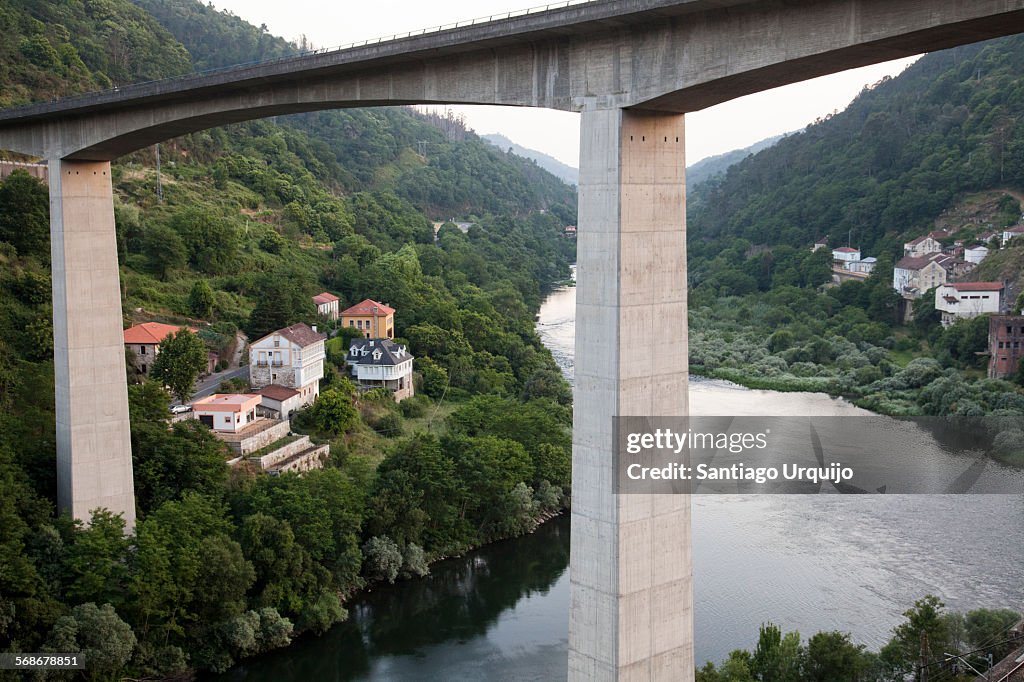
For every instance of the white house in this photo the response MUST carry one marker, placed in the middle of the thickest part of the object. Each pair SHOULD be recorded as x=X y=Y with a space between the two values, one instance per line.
x=292 y=357
x=226 y=412
x=1011 y=233
x=381 y=363
x=326 y=305
x=281 y=399
x=865 y=265
x=845 y=255
x=962 y=300
x=975 y=254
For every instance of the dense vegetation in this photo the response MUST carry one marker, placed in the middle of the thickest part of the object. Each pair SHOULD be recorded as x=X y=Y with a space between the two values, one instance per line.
x=254 y=219
x=908 y=154
x=832 y=657
x=900 y=154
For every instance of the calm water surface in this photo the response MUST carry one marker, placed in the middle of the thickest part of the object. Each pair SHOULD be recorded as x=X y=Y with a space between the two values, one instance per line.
x=808 y=563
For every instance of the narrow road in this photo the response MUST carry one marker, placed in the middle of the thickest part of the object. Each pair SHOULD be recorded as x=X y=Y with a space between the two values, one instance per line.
x=209 y=385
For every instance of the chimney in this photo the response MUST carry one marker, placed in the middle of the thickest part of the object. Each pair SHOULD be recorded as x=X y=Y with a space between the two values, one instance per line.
x=314 y=327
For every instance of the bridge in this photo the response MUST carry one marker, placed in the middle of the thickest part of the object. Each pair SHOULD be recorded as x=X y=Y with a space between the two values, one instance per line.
x=633 y=69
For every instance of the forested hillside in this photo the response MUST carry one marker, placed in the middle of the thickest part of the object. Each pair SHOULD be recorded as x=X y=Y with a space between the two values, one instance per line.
x=909 y=151
x=250 y=221
x=889 y=164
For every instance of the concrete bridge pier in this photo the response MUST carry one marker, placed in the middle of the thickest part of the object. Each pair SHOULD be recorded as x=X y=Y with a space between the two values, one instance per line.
x=94 y=451
x=631 y=603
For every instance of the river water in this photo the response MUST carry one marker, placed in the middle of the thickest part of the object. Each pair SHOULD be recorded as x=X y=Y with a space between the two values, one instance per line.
x=817 y=562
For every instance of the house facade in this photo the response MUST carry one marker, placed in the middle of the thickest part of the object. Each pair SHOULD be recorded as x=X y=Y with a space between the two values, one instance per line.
x=1011 y=233
x=144 y=341
x=326 y=305
x=226 y=412
x=975 y=254
x=1005 y=345
x=864 y=266
x=845 y=255
x=292 y=357
x=375 y=320
x=914 y=275
x=964 y=300
x=922 y=246
x=381 y=363
x=280 y=399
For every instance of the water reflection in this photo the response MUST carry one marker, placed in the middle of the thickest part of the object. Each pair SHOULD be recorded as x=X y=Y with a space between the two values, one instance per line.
x=500 y=613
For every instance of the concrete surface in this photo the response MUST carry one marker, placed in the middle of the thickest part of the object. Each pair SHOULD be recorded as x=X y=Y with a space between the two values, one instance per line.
x=631 y=600
x=94 y=450
x=670 y=55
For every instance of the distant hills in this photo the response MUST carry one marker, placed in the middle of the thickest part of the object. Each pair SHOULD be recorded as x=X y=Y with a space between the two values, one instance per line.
x=714 y=165
x=695 y=174
x=884 y=169
x=552 y=165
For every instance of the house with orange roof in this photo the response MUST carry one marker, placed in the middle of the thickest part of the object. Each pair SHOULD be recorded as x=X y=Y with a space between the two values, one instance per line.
x=375 y=320
x=144 y=341
x=326 y=305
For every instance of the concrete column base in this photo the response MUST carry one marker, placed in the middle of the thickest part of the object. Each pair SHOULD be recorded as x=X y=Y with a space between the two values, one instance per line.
x=631 y=603
x=94 y=452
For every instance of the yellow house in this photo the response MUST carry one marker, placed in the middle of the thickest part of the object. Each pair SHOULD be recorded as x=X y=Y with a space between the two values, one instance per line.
x=375 y=320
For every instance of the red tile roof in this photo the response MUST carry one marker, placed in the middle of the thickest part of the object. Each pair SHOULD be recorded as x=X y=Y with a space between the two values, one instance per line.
x=846 y=249
x=151 y=332
x=300 y=334
x=977 y=286
x=276 y=392
x=369 y=307
x=325 y=297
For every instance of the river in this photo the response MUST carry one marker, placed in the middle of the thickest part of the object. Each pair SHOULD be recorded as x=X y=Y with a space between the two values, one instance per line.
x=827 y=562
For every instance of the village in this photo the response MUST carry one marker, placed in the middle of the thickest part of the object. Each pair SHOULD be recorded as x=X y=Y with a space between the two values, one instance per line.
x=938 y=262
x=283 y=374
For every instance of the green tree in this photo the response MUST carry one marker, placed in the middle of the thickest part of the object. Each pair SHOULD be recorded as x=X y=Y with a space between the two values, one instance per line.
x=383 y=559
x=210 y=239
x=25 y=215
x=924 y=622
x=333 y=412
x=285 y=298
x=832 y=657
x=164 y=249
x=988 y=627
x=94 y=562
x=200 y=300
x=776 y=657
x=96 y=632
x=180 y=359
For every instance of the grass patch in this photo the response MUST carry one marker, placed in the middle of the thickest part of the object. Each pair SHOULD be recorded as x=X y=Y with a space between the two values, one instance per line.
x=277 y=444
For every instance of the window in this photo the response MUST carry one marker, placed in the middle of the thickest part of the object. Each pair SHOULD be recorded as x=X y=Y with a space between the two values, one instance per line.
x=142 y=350
x=351 y=323
x=277 y=343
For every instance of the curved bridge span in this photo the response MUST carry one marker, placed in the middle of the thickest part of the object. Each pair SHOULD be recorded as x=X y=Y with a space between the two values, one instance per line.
x=633 y=69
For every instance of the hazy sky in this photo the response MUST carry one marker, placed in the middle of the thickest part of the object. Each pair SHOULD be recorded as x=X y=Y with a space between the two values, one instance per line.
x=728 y=126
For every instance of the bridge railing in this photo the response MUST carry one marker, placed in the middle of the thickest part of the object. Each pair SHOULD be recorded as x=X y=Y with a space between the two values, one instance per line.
x=326 y=50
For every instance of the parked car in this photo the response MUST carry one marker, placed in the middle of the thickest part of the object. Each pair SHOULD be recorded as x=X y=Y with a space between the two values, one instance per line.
x=181 y=409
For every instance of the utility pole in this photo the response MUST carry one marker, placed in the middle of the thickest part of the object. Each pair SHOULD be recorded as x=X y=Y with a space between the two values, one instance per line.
x=922 y=673
x=159 y=184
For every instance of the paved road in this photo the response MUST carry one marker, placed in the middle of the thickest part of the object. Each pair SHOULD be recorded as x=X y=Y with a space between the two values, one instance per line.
x=209 y=385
